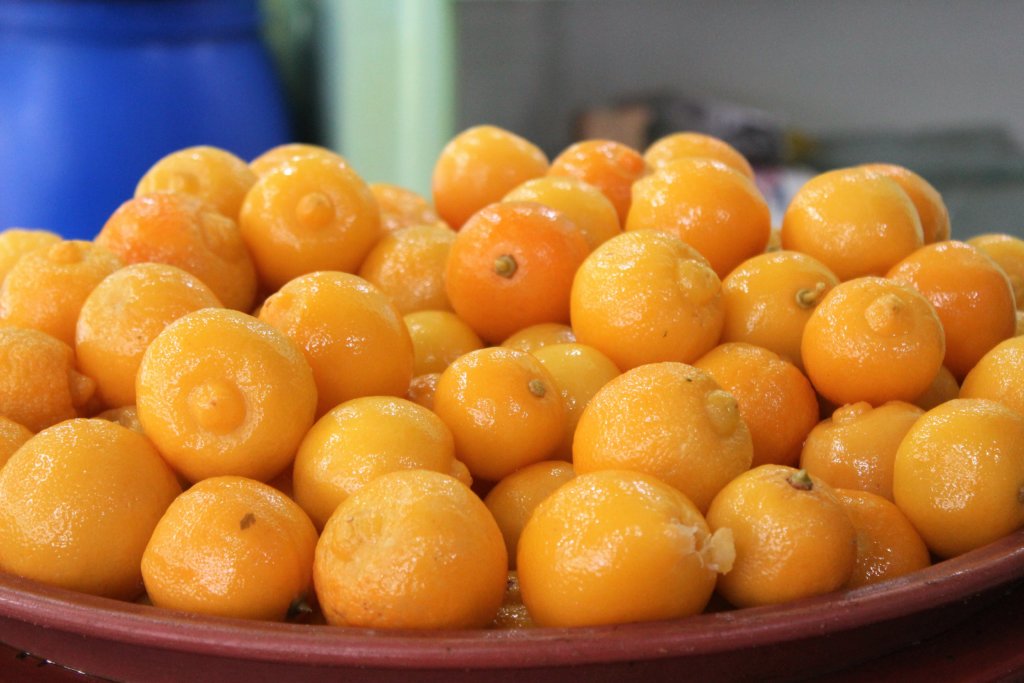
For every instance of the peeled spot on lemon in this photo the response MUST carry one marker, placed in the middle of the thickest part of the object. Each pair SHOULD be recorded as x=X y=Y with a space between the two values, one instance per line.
x=618 y=546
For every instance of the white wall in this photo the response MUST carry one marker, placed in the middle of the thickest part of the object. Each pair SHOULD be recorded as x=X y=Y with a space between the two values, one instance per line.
x=825 y=65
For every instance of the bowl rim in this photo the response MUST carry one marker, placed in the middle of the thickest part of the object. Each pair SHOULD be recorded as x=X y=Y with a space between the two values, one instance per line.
x=942 y=583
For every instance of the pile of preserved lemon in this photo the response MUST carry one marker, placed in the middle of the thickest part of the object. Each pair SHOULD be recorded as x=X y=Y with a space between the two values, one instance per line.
x=595 y=389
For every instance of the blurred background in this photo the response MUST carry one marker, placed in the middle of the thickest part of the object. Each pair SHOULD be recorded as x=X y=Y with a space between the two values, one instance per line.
x=798 y=86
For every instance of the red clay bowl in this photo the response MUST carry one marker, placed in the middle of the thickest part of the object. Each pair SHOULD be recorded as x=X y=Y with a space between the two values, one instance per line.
x=133 y=642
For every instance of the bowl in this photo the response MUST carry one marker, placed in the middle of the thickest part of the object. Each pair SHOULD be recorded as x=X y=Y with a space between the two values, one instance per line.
x=129 y=641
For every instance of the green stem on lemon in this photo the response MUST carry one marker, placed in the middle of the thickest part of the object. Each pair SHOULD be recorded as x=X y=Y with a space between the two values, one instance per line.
x=800 y=480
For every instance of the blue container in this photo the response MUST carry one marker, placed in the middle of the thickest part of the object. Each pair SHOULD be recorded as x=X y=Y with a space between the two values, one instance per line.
x=93 y=92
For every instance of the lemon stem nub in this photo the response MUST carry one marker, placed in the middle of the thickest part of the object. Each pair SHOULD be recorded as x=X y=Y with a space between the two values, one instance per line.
x=537 y=388
x=806 y=298
x=505 y=265
x=800 y=480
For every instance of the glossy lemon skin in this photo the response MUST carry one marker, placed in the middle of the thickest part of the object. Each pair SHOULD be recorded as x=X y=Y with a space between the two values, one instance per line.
x=959 y=473
x=646 y=296
x=615 y=547
x=872 y=339
x=668 y=420
x=80 y=501
x=412 y=549
x=503 y=408
x=709 y=205
x=308 y=214
x=221 y=393
x=791 y=541
x=769 y=297
x=854 y=221
x=234 y=547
